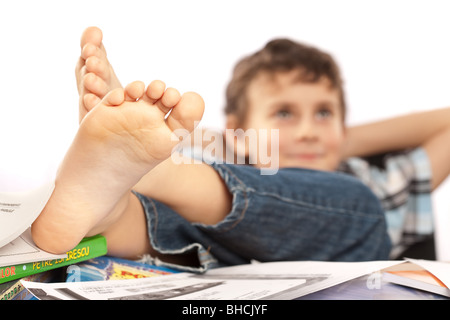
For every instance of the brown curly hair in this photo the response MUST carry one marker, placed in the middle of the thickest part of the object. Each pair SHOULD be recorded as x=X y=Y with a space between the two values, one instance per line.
x=281 y=55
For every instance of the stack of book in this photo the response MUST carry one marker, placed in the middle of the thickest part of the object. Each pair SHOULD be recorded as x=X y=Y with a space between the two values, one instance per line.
x=20 y=258
x=44 y=270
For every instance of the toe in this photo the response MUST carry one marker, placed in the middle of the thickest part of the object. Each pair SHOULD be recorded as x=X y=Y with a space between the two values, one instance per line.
x=134 y=91
x=187 y=113
x=170 y=99
x=91 y=35
x=91 y=50
x=114 y=98
x=155 y=90
x=90 y=101
x=97 y=66
x=95 y=84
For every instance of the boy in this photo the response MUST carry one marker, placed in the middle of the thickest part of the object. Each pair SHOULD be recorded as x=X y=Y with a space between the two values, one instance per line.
x=198 y=216
x=298 y=90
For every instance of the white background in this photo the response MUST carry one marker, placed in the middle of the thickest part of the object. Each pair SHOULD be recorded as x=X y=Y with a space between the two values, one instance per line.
x=395 y=58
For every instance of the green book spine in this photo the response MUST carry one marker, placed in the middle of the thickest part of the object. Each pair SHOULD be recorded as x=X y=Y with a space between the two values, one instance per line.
x=88 y=248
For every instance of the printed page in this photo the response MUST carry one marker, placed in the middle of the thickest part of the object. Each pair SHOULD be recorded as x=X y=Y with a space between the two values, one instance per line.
x=19 y=209
x=275 y=280
x=23 y=250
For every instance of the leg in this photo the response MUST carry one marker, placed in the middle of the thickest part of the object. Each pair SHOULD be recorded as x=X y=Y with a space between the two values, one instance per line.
x=119 y=141
x=293 y=215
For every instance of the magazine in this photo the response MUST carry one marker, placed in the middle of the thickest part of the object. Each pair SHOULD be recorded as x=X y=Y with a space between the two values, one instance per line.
x=268 y=281
x=421 y=274
x=113 y=268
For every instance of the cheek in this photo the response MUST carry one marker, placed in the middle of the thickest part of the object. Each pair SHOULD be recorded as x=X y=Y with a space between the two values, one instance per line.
x=284 y=140
x=335 y=141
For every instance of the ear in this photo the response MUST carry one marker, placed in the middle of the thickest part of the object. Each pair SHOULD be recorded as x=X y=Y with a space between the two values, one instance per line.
x=345 y=144
x=344 y=131
x=232 y=122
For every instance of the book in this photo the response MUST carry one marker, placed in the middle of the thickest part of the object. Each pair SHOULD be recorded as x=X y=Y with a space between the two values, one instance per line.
x=14 y=290
x=414 y=276
x=89 y=247
x=112 y=268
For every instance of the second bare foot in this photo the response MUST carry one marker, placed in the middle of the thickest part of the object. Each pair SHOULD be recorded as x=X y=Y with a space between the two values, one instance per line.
x=95 y=75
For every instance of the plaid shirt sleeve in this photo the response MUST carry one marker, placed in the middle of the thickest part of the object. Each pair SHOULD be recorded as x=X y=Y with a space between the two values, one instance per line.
x=402 y=182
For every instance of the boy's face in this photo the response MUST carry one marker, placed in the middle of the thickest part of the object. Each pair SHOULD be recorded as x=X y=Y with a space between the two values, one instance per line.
x=308 y=116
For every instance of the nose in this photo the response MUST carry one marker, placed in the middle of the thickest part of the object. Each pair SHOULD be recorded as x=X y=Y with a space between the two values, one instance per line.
x=306 y=130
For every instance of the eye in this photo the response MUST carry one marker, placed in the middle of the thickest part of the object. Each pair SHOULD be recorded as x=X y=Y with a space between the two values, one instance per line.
x=283 y=114
x=324 y=113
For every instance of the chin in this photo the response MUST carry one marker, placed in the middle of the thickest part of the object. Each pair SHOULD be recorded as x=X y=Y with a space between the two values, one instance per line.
x=310 y=166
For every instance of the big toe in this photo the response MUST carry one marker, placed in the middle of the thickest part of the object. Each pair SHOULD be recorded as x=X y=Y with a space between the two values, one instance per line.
x=91 y=35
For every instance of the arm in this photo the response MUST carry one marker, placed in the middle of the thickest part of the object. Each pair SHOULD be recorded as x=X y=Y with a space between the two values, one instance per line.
x=430 y=130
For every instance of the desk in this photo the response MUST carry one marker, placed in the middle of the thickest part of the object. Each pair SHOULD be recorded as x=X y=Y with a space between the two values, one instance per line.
x=358 y=289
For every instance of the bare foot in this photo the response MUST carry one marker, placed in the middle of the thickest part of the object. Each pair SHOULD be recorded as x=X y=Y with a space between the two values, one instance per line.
x=95 y=75
x=122 y=138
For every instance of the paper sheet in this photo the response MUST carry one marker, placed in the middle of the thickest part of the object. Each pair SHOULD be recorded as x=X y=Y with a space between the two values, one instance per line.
x=23 y=250
x=274 y=280
x=19 y=209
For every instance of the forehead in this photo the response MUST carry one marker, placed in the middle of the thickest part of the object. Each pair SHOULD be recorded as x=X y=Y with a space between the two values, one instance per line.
x=274 y=83
x=269 y=89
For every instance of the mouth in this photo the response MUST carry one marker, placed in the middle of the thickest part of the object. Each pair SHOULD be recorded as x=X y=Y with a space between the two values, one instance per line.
x=307 y=156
